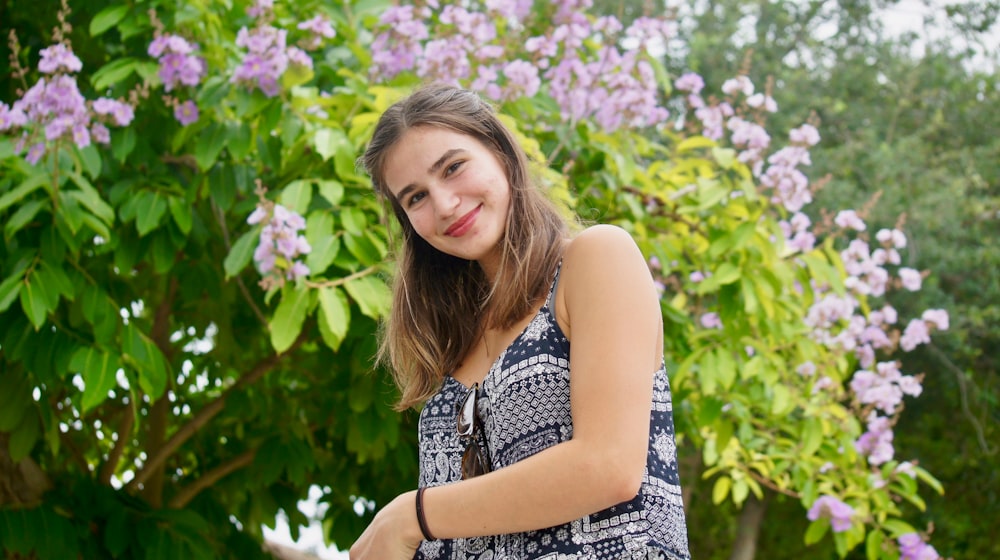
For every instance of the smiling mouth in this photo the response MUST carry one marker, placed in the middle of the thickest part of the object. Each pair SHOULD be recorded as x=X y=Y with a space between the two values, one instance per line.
x=463 y=224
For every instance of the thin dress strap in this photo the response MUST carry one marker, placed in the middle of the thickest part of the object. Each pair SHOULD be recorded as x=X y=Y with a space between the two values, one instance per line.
x=550 y=302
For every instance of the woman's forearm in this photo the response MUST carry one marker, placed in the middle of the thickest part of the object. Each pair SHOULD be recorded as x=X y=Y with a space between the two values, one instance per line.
x=555 y=486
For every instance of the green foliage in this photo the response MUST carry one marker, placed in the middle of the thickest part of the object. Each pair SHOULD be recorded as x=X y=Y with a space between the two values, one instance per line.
x=161 y=388
x=903 y=135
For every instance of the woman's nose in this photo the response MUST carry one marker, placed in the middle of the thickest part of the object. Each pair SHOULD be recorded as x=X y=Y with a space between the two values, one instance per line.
x=445 y=202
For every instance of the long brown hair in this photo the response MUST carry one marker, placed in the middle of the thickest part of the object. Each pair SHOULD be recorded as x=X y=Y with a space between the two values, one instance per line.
x=442 y=304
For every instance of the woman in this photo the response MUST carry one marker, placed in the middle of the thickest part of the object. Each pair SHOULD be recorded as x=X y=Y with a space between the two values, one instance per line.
x=546 y=429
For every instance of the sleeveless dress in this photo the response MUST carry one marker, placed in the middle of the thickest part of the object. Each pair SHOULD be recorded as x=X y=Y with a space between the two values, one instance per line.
x=525 y=408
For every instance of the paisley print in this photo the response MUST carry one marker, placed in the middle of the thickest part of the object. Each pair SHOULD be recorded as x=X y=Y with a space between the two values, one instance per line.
x=525 y=408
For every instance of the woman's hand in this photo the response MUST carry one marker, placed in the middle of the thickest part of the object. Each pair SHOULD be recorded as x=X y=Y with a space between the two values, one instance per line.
x=394 y=533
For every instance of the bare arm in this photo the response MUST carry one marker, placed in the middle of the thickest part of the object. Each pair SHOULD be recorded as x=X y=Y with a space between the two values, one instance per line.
x=609 y=309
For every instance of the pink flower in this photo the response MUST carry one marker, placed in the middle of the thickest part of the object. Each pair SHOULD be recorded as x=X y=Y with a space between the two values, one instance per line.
x=758 y=100
x=849 y=219
x=910 y=278
x=914 y=335
x=833 y=509
x=805 y=134
x=58 y=58
x=711 y=320
x=912 y=547
x=937 y=317
x=186 y=113
x=739 y=84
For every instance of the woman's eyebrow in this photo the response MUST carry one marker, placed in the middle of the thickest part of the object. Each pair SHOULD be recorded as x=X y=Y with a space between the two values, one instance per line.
x=430 y=171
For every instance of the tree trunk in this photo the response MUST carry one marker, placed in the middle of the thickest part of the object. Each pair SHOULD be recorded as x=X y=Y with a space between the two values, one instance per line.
x=751 y=519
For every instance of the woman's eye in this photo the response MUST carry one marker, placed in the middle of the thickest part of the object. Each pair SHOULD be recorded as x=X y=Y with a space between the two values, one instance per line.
x=416 y=198
x=453 y=168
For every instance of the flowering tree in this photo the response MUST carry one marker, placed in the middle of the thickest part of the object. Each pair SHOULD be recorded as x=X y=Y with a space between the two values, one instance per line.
x=152 y=376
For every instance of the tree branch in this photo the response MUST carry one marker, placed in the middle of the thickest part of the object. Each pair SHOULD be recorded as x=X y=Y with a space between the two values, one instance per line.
x=219 y=217
x=157 y=459
x=189 y=492
x=343 y=280
x=769 y=484
x=124 y=436
x=963 y=392
x=159 y=415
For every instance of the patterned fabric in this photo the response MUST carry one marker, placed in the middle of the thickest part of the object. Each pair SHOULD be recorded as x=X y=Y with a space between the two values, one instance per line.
x=525 y=408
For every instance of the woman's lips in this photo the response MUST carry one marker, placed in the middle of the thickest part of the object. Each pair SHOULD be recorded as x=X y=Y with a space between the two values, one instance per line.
x=462 y=225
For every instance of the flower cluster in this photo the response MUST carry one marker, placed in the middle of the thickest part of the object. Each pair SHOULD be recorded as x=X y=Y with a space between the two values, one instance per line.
x=842 y=322
x=613 y=85
x=179 y=66
x=280 y=246
x=319 y=28
x=829 y=507
x=838 y=323
x=781 y=173
x=912 y=547
x=54 y=110
x=268 y=55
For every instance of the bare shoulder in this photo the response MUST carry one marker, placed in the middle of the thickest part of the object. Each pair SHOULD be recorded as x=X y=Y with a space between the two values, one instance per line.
x=599 y=246
x=603 y=265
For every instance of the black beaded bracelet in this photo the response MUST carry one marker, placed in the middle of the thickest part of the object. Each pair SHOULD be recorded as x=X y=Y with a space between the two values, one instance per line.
x=421 y=520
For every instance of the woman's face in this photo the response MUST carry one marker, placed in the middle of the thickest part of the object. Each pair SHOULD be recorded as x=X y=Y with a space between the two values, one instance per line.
x=454 y=191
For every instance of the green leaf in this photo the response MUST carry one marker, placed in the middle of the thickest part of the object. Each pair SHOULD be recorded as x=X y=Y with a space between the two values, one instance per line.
x=240 y=139
x=707 y=373
x=362 y=248
x=873 y=545
x=328 y=141
x=726 y=157
x=781 y=400
x=18 y=193
x=296 y=196
x=107 y=18
x=727 y=273
x=816 y=530
x=210 y=143
x=710 y=192
x=289 y=317
x=34 y=302
x=56 y=282
x=10 y=288
x=897 y=527
x=146 y=358
x=371 y=295
x=112 y=73
x=354 y=220
x=122 y=143
x=25 y=213
x=91 y=159
x=740 y=491
x=695 y=143
x=725 y=368
x=181 y=212
x=922 y=474
x=325 y=245
x=334 y=316
x=99 y=370
x=331 y=190
x=240 y=254
x=91 y=199
x=812 y=436
x=151 y=206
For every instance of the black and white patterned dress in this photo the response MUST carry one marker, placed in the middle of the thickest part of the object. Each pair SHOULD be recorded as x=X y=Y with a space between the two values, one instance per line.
x=525 y=408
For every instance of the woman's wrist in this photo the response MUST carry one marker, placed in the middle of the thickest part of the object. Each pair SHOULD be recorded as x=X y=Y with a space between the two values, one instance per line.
x=425 y=531
x=406 y=509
